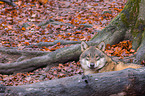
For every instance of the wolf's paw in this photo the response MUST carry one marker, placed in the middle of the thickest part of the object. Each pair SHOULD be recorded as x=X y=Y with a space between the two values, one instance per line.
x=85 y=78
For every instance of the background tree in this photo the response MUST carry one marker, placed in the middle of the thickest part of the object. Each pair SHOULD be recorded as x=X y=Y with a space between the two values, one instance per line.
x=128 y=25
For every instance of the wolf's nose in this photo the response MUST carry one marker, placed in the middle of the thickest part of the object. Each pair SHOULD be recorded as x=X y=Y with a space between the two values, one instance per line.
x=92 y=64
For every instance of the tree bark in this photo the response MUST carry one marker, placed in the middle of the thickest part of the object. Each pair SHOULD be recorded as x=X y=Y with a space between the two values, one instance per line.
x=128 y=25
x=59 y=56
x=128 y=82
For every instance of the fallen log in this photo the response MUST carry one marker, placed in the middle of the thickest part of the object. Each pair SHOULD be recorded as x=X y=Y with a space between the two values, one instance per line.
x=128 y=82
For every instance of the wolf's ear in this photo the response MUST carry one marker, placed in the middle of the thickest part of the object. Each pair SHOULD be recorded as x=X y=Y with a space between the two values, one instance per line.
x=101 y=46
x=84 y=46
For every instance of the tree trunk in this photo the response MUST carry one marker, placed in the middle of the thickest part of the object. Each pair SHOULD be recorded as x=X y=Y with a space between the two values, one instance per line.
x=128 y=25
x=128 y=82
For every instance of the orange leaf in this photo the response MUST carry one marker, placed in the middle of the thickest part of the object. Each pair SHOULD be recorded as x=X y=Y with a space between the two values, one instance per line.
x=108 y=46
x=60 y=65
x=26 y=43
x=96 y=4
x=47 y=49
x=43 y=1
x=61 y=75
x=119 y=10
x=52 y=49
x=58 y=43
x=130 y=55
x=61 y=20
x=23 y=28
x=109 y=51
x=77 y=32
x=124 y=42
x=76 y=20
x=1 y=2
x=54 y=72
x=131 y=50
x=143 y=62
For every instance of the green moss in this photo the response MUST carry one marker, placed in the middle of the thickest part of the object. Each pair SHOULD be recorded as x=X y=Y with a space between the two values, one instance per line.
x=130 y=16
x=138 y=27
x=143 y=35
x=124 y=19
x=138 y=33
x=139 y=24
x=115 y=19
x=130 y=12
x=127 y=18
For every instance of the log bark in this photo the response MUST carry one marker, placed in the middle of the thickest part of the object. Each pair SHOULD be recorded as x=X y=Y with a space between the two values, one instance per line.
x=128 y=82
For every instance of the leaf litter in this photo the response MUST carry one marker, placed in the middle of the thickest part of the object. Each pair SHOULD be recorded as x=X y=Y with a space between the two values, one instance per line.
x=48 y=20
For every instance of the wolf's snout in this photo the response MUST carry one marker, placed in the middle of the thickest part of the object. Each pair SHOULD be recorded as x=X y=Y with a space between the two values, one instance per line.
x=92 y=65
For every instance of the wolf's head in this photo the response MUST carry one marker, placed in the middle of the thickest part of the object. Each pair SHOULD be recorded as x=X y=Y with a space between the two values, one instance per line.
x=92 y=57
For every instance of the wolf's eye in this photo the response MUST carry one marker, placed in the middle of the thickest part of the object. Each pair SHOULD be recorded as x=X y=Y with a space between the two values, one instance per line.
x=97 y=57
x=88 y=57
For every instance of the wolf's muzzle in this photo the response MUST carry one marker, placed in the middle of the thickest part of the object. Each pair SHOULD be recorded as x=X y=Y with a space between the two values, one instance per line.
x=92 y=65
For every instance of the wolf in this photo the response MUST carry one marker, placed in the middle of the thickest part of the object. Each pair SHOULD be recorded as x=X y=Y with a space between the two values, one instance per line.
x=94 y=60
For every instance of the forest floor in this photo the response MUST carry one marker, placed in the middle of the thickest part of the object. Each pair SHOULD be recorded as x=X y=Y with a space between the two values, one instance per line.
x=73 y=20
